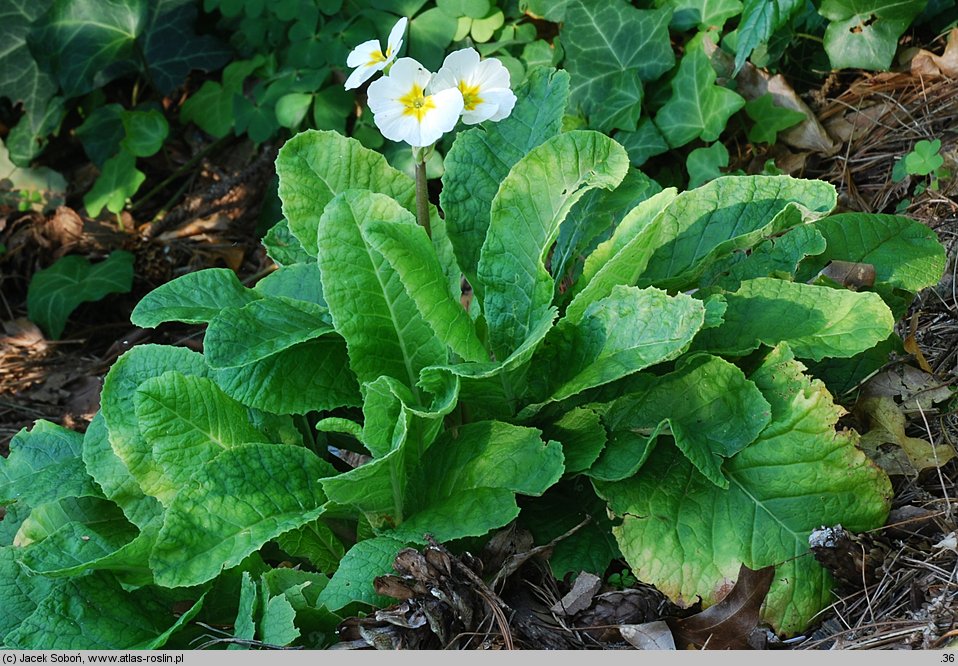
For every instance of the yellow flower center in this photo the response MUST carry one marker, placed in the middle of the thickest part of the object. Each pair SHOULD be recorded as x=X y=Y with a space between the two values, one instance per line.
x=375 y=57
x=415 y=103
x=470 y=96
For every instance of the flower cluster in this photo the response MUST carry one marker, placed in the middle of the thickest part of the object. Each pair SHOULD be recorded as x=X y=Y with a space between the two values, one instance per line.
x=414 y=105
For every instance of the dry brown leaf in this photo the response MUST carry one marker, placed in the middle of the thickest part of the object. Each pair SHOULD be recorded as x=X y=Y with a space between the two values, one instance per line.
x=887 y=444
x=927 y=65
x=580 y=597
x=649 y=636
x=851 y=275
x=727 y=624
x=911 y=386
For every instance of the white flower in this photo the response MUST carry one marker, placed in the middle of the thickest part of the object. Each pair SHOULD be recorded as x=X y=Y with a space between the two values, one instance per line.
x=368 y=58
x=484 y=85
x=404 y=112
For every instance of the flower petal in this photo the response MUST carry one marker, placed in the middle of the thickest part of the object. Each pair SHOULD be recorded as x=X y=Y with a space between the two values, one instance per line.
x=461 y=63
x=491 y=73
x=407 y=71
x=363 y=53
x=505 y=100
x=396 y=37
x=359 y=76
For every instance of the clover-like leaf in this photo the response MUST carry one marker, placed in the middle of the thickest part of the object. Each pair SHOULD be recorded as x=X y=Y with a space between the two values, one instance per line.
x=924 y=159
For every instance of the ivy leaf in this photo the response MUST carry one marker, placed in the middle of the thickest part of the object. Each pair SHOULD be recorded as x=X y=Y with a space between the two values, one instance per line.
x=55 y=292
x=517 y=287
x=705 y=164
x=645 y=142
x=145 y=132
x=797 y=475
x=101 y=133
x=118 y=181
x=697 y=109
x=761 y=19
x=480 y=158
x=864 y=33
x=704 y=14
x=217 y=520
x=769 y=119
x=21 y=80
x=611 y=49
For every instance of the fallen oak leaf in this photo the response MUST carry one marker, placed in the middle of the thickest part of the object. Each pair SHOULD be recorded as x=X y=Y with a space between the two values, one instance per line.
x=649 y=636
x=727 y=624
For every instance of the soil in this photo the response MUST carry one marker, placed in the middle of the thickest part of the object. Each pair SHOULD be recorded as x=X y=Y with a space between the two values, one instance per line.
x=902 y=589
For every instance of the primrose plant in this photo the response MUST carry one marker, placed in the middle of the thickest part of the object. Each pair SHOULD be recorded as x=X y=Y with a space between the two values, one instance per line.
x=655 y=362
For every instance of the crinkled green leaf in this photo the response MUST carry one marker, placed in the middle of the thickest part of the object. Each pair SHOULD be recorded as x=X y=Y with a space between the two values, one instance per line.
x=314 y=542
x=283 y=247
x=95 y=613
x=582 y=435
x=629 y=330
x=128 y=372
x=244 y=627
x=481 y=157
x=300 y=282
x=517 y=287
x=409 y=251
x=815 y=321
x=310 y=376
x=354 y=579
x=777 y=256
x=278 y=625
x=44 y=465
x=240 y=336
x=21 y=80
x=118 y=181
x=48 y=518
x=20 y=590
x=698 y=108
x=906 y=255
x=712 y=410
x=113 y=477
x=188 y=421
x=611 y=48
x=194 y=298
x=246 y=496
x=383 y=329
x=315 y=166
x=864 y=33
x=688 y=537
x=727 y=214
x=841 y=375
x=622 y=258
x=55 y=292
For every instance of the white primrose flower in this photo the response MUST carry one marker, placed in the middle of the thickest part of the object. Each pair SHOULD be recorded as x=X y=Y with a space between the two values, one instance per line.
x=484 y=85
x=368 y=58
x=404 y=112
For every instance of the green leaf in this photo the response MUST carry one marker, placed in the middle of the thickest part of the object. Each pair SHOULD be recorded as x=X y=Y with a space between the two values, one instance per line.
x=688 y=537
x=582 y=435
x=188 y=421
x=145 y=132
x=244 y=627
x=283 y=247
x=907 y=255
x=194 y=298
x=21 y=80
x=760 y=20
x=924 y=159
x=727 y=214
x=480 y=158
x=704 y=14
x=354 y=579
x=246 y=496
x=240 y=336
x=472 y=8
x=298 y=282
x=291 y=109
x=517 y=287
x=128 y=372
x=113 y=477
x=409 y=251
x=55 y=292
x=705 y=164
x=44 y=465
x=211 y=109
x=118 y=181
x=864 y=33
x=382 y=327
x=611 y=48
x=278 y=626
x=310 y=376
x=429 y=34
x=645 y=142
x=102 y=132
x=21 y=591
x=314 y=542
x=627 y=331
x=712 y=410
x=770 y=119
x=697 y=109
x=95 y=613
x=815 y=321
x=315 y=166
x=42 y=186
